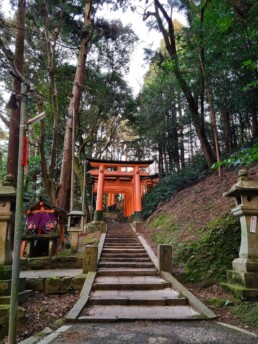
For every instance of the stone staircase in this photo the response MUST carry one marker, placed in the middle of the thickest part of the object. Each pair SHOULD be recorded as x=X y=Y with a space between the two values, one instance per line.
x=128 y=286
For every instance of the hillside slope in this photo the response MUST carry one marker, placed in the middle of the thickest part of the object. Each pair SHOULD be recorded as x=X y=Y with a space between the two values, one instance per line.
x=205 y=237
x=192 y=208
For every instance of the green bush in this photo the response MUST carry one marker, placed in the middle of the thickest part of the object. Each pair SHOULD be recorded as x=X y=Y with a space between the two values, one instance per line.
x=169 y=184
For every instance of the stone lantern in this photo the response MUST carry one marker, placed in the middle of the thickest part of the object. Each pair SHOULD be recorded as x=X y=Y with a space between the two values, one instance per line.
x=243 y=279
x=7 y=205
x=75 y=225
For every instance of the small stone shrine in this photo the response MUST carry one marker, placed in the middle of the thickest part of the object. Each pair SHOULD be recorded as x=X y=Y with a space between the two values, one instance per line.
x=243 y=279
x=44 y=227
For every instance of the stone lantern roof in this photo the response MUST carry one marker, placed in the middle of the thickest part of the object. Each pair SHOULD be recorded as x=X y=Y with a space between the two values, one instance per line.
x=243 y=186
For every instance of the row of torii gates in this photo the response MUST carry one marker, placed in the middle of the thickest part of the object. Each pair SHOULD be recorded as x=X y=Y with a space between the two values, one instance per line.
x=114 y=177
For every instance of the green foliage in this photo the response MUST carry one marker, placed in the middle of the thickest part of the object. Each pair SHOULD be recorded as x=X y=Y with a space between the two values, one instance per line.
x=3 y=169
x=244 y=157
x=166 y=227
x=247 y=312
x=208 y=258
x=159 y=221
x=33 y=181
x=168 y=185
x=216 y=302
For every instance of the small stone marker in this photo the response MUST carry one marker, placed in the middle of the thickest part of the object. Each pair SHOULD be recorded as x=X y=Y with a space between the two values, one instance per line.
x=90 y=259
x=165 y=258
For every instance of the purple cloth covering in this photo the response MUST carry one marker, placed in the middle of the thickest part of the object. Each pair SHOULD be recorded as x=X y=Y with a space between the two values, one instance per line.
x=41 y=220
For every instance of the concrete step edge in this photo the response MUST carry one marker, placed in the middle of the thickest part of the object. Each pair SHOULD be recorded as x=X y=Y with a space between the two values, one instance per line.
x=139 y=301
x=129 y=286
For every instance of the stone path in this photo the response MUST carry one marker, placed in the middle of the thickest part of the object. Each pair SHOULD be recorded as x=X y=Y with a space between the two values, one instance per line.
x=147 y=332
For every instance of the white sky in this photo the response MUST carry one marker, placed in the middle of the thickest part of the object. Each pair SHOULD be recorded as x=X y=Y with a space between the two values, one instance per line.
x=148 y=39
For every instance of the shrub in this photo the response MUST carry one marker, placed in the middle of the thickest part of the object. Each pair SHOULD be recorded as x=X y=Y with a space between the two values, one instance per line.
x=168 y=185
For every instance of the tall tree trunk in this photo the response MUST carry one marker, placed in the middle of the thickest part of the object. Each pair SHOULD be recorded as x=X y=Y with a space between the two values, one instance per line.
x=170 y=43
x=160 y=161
x=191 y=143
x=13 y=145
x=241 y=129
x=213 y=117
x=167 y=167
x=181 y=133
x=48 y=172
x=254 y=124
x=65 y=177
x=225 y=118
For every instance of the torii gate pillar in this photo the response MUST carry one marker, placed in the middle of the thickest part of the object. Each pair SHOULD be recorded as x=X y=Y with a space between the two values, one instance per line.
x=138 y=201
x=98 y=215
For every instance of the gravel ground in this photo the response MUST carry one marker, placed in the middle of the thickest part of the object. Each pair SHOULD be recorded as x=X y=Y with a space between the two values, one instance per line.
x=146 y=332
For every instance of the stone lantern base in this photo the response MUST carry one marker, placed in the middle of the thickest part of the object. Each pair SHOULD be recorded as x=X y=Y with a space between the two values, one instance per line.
x=243 y=279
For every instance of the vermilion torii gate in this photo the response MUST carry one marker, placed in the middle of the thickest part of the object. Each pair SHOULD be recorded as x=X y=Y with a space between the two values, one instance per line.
x=121 y=177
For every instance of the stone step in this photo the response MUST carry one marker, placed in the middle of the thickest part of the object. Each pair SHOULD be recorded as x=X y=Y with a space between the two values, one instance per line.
x=163 y=297
x=128 y=287
x=127 y=272
x=138 y=302
x=123 y=250
x=121 y=286
x=124 y=255
x=116 y=313
x=114 y=240
x=130 y=279
x=125 y=259
x=130 y=283
x=125 y=245
x=112 y=264
x=121 y=235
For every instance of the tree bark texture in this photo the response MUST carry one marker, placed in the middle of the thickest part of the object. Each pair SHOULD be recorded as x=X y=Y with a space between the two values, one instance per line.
x=13 y=145
x=65 y=185
x=48 y=173
x=170 y=43
x=225 y=119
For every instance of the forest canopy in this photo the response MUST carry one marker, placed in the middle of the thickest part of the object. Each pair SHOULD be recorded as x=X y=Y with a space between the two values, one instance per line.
x=199 y=99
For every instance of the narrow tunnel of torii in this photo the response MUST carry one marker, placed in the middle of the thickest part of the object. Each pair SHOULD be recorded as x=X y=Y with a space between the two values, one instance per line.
x=115 y=177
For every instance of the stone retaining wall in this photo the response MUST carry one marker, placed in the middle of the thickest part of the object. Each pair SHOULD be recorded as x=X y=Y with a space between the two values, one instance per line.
x=56 y=285
x=55 y=262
